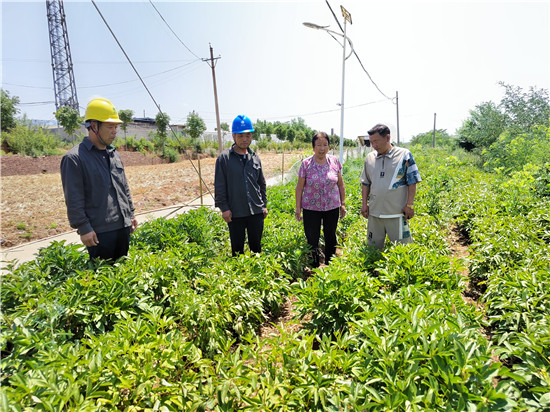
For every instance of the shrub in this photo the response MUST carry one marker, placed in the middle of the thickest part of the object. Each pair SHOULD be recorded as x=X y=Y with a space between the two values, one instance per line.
x=33 y=141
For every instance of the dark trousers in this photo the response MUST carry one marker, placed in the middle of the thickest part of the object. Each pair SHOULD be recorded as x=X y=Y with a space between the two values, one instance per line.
x=312 y=228
x=253 y=226
x=112 y=245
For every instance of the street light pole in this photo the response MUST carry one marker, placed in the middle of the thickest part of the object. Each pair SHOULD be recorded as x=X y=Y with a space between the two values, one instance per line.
x=347 y=17
x=342 y=101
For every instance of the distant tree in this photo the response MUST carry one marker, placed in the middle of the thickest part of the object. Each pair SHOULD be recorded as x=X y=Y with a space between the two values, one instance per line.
x=126 y=116
x=442 y=139
x=518 y=112
x=162 y=120
x=525 y=110
x=69 y=119
x=483 y=127
x=291 y=135
x=9 y=110
x=225 y=129
x=195 y=127
x=281 y=130
x=301 y=136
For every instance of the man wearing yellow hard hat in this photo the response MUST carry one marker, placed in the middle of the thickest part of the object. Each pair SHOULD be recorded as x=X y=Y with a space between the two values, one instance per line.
x=97 y=196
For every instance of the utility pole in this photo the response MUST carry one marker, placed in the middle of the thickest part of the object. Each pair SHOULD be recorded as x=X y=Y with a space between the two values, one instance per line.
x=433 y=141
x=397 y=107
x=62 y=65
x=212 y=64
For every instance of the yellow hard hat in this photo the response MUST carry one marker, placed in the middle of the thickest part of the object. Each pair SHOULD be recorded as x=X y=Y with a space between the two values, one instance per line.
x=101 y=110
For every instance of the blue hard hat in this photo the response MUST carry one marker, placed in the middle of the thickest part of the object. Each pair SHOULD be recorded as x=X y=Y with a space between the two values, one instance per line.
x=242 y=124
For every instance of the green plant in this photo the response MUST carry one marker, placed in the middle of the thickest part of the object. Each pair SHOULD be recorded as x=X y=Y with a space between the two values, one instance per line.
x=9 y=110
x=69 y=118
x=33 y=141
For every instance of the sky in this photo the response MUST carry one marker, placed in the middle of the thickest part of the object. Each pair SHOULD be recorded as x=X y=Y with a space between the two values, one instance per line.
x=442 y=58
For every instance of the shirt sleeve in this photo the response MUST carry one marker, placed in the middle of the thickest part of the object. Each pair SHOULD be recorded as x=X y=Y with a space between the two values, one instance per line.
x=220 y=185
x=262 y=184
x=413 y=174
x=73 y=189
x=365 y=180
x=303 y=168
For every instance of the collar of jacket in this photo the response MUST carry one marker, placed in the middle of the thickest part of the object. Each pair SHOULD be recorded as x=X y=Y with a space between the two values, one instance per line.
x=248 y=150
x=89 y=145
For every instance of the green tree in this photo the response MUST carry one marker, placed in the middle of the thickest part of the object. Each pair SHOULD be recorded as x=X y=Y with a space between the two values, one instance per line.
x=512 y=151
x=483 y=127
x=281 y=130
x=291 y=135
x=69 y=119
x=126 y=116
x=195 y=127
x=442 y=139
x=525 y=110
x=162 y=120
x=225 y=129
x=9 y=110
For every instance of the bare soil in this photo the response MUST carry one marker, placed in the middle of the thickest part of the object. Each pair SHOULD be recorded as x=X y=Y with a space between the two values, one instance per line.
x=33 y=206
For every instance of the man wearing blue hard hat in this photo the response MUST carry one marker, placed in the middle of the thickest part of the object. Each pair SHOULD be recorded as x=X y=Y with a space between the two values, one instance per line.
x=240 y=189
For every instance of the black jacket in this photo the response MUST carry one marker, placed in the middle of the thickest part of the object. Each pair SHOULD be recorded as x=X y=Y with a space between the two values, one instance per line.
x=239 y=185
x=96 y=190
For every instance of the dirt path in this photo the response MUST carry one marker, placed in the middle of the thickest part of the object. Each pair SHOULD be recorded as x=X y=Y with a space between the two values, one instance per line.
x=33 y=205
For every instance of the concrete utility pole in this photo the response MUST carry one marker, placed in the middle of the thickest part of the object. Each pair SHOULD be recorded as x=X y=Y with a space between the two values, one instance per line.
x=212 y=64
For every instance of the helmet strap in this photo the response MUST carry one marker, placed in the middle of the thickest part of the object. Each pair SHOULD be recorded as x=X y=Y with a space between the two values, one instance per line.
x=97 y=132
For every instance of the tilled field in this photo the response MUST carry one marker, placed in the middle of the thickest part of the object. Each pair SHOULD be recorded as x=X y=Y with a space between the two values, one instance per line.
x=33 y=206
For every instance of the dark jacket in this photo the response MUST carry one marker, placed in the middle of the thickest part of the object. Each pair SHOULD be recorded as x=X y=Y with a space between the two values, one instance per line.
x=96 y=191
x=239 y=186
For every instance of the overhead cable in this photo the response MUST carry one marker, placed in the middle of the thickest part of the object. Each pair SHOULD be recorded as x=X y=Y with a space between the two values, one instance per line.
x=145 y=77
x=324 y=111
x=149 y=92
x=177 y=37
x=356 y=55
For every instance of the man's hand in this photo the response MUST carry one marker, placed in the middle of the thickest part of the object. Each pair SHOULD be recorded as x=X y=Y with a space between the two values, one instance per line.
x=89 y=239
x=134 y=225
x=408 y=212
x=265 y=212
x=365 y=211
x=227 y=216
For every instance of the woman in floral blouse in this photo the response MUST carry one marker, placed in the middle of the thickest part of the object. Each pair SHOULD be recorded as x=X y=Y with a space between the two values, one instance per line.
x=321 y=194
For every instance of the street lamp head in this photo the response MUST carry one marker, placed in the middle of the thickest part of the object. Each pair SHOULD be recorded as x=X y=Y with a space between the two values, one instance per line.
x=314 y=26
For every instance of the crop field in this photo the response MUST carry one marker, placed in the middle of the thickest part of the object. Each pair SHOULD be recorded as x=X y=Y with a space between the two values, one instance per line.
x=180 y=325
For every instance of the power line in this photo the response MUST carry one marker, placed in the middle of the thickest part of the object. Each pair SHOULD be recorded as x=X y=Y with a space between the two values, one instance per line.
x=324 y=111
x=29 y=87
x=35 y=103
x=145 y=77
x=109 y=84
x=356 y=55
x=165 y=22
x=148 y=91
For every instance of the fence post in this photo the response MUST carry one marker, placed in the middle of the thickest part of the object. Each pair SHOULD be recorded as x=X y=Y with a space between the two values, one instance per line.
x=200 y=177
x=283 y=170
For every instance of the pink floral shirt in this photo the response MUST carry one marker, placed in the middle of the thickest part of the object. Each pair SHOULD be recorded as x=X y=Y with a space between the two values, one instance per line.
x=321 y=191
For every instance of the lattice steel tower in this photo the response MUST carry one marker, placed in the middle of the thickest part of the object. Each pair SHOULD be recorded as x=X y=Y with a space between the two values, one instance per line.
x=62 y=64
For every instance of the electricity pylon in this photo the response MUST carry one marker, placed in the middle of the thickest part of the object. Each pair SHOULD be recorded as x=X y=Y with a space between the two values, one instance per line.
x=62 y=65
